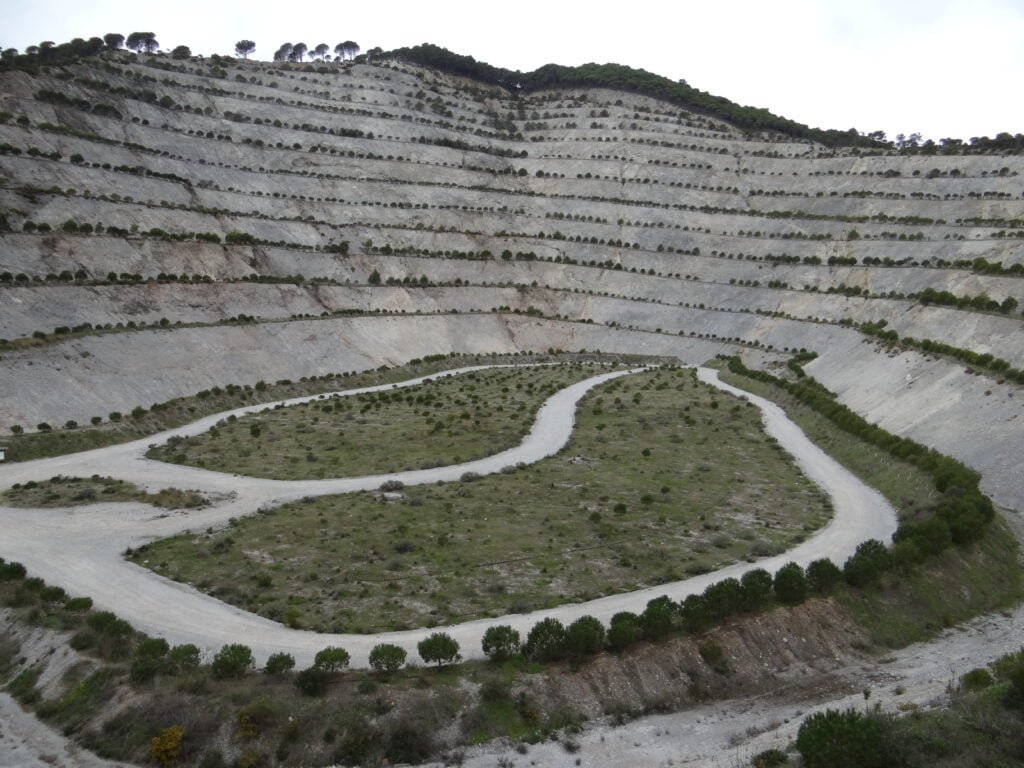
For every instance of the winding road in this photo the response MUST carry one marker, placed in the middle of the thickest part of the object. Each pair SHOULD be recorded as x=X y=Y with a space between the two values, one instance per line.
x=80 y=548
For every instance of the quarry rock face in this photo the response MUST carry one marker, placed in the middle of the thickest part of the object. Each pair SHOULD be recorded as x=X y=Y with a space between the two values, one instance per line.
x=361 y=215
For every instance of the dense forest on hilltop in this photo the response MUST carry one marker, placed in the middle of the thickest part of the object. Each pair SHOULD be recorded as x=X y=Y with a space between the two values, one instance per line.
x=623 y=78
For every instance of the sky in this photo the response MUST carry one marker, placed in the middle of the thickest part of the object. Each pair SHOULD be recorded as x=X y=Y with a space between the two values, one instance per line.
x=943 y=68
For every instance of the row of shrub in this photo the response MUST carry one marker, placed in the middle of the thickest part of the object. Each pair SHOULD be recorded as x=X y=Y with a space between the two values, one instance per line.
x=981 y=359
x=980 y=302
x=550 y=640
x=880 y=217
x=557 y=235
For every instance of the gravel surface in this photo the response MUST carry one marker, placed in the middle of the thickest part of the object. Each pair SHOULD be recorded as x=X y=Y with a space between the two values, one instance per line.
x=25 y=742
x=727 y=734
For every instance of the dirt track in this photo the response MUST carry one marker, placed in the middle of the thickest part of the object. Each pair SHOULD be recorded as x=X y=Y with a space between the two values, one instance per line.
x=80 y=548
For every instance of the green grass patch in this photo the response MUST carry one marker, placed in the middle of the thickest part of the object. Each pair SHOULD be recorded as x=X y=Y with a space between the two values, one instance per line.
x=63 y=491
x=23 y=686
x=445 y=421
x=80 y=701
x=664 y=477
x=959 y=583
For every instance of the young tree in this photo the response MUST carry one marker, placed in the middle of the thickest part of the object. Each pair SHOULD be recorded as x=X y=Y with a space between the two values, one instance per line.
x=546 y=640
x=331 y=659
x=584 y=636
x=790 y=584
x=387 y=658
x=866 y=564
x=279 y=663
x=244 y=47
x=756 y=586
x=439 y=649
x=822 y=576
x=113 y=41
x=656 y=620
x=623 y=630
x=501 y=642
x=184 y=658
x=149 y=659
x=232 y=660
x=181 y=52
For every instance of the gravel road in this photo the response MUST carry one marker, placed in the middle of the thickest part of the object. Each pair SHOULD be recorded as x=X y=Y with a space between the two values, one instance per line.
x=80 y=548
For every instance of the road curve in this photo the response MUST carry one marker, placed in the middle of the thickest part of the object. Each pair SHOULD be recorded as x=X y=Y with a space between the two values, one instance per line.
x=80 y=548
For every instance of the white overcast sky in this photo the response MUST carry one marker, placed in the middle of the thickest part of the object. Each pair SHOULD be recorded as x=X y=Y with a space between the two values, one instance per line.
x=940 y=67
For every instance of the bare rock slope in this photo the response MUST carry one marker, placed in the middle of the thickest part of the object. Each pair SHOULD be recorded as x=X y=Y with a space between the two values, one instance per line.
x=181 y=229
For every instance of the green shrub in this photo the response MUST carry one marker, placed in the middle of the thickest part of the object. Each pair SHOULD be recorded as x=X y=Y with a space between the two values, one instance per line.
x=658 y=618
x=823 y=576
x=848 y=739
x=106 y=623
x=584 y=636
x=439 y=649
x=790 y=584
x=239 y=238
x=1011 y=669
x=770 y=758
x=52 y=595
x=233 y=660
x=78 y=604
x=409 y=742
x=149 y=659
x=313 y=681
x=757 y=589
x=623 y=630
x=279 y=663
x=11 y=571
x=331 y=659
x=183 y=658
x=546 y=640
x=976 y=680
x=501 y=642
x=387 y=658
x=867 y=564
x=23 y=687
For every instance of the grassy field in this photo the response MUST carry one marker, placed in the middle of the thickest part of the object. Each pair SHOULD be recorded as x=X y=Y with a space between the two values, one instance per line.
x=446 y=421
x=664 y=477
x=70 y=491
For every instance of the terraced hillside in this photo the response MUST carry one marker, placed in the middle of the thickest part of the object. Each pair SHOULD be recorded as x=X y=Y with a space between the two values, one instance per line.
x=175 y=227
